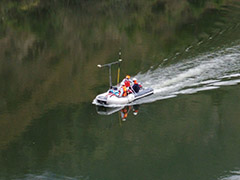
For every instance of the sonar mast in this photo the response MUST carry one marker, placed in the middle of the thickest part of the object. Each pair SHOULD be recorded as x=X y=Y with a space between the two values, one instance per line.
x=109 y=65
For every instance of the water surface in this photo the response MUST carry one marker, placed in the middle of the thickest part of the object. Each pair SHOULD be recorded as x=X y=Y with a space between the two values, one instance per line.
x=188 y=51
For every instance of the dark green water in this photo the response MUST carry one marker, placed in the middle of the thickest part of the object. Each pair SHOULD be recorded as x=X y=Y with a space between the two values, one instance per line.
x=188 y=51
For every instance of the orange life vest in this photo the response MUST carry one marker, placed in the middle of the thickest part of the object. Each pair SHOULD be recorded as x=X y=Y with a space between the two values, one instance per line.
x=124 y=91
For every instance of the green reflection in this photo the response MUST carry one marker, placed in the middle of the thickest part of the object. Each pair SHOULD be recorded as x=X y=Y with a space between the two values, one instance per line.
x=48 y=78
x=165 y=140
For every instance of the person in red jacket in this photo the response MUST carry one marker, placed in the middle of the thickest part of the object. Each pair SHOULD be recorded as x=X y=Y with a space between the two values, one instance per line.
x=127 y=81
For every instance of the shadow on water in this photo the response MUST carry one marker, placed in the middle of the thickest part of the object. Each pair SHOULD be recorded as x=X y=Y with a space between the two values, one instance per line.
x=122 y=111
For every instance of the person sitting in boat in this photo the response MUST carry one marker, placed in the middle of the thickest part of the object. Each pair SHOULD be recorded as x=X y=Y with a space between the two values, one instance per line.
x=127 y=80
x=136 y=87
x=123 y=90
x=113 y=92
x=128 y=83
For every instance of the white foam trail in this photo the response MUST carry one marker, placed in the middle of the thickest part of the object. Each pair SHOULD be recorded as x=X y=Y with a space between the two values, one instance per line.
x=227 y=83
x=205 y=72
x=231 y=76
x=47 y=176
x=194 y=90
x=235 y=175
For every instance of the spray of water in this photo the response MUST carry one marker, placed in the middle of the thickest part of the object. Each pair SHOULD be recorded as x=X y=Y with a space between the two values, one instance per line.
x=205 y=72
x=234 y=175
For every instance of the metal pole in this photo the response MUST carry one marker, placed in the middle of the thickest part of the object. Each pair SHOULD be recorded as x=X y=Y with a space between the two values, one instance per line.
x=110 y=77
x=119 y=59
x=109 y=66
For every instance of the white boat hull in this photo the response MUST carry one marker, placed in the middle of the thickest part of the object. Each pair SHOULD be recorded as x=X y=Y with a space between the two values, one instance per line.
x=106 y=99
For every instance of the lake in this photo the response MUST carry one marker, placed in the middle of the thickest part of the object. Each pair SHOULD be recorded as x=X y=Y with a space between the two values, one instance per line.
x=188 y=51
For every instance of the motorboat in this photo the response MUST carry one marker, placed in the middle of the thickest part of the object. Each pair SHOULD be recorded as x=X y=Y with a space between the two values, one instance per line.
x=111 y=97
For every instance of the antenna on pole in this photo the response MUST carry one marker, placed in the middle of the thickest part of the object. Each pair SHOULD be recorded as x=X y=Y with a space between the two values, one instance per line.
x=119 y=59
x=109 y=65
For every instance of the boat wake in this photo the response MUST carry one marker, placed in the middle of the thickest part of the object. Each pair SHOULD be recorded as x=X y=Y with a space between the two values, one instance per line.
x=234 y=175
x=205 y=72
